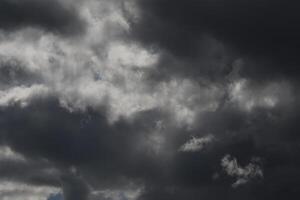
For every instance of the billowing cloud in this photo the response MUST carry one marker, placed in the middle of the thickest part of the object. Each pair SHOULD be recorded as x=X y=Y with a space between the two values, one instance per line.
x=141 y=100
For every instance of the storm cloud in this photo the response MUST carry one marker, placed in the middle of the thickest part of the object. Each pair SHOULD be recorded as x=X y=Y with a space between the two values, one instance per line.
x=149 y=100
x=266 y=31
x=56 y=16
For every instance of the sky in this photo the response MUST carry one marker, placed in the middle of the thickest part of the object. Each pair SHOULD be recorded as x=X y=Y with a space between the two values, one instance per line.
x=149 y=99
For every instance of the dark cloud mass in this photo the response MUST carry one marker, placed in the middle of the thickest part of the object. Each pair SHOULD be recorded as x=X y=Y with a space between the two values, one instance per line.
x=52 y=16
x=266 y=30
x=157 y=100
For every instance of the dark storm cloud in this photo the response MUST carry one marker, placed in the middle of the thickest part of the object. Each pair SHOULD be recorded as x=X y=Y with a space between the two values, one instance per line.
x=87 y=140
x=104 y=154
x=261 y=134
x=267 y=31
x=83 y=151
x=54 y=16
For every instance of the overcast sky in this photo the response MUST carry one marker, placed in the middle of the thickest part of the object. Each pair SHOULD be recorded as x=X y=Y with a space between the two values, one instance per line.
x=149 y=100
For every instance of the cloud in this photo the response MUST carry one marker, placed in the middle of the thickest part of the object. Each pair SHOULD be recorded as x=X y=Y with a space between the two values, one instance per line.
x=116 y=194
x=74 y=188
x=17 y=191
x=269 y=95
x=269 y=38
x=119 y=111
x=242 y=174
x=23 y=178
x=55 y=16
x=121 y=79
x=21 y=95
x=6 y=153
x=196 y=144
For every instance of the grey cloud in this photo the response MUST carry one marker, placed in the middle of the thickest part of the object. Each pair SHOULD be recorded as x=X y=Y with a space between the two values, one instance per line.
x=12 y=73
x=55 y=16
x=74 y=188
x=147 y=102
x=252 y=30
x=243 y=174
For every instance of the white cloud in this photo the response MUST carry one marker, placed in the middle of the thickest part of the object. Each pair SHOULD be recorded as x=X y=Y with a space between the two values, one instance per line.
x=19 y=191
x=242 y=174
x=130 y=56
x=197 y=144
x=22 y=95
x=101 y=69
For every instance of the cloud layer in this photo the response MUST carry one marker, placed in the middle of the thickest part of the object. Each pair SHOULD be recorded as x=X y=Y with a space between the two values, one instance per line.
x=149 y=100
